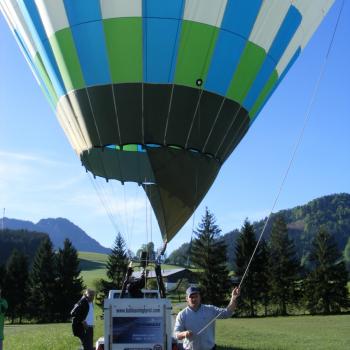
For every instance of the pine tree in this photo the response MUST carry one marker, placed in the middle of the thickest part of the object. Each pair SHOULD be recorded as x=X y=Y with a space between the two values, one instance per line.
x=245 y=246
x=209 y=255
x=326 y=286
x=117 y=265
x=284 y=267
x=117 y=262
x=264 y=275
x=69 y=281
x=347 y=255
x=43 y=284
x=149 y=248
x=2 y=278
x=17 y=285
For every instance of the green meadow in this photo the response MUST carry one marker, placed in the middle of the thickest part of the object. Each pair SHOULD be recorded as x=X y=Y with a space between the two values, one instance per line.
x=289 y=333
x=270 y=333
x=93 y=267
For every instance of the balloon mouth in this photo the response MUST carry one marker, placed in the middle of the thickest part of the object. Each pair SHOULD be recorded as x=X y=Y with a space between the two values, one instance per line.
x=143 y=148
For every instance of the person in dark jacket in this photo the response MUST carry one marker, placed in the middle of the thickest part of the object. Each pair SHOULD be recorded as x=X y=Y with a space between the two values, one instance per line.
x=83 y=319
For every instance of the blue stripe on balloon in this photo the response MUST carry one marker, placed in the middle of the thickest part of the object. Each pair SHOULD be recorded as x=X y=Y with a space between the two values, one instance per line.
x=290 y=64
x=225 y=59
x=259 y=83
x=35 y=17
x=238 y=22
x=82 y=11
x=29 y=58
x=90 y=44
x=85 y=20
x=240 y=16
x=162 y=21
x=23 y=46
x=285 y=34
x=33 y=21
x=288 y=28
x=163 y=8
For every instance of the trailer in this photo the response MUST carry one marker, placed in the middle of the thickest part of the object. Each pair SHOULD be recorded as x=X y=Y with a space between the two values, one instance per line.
x=137 y=318
x=137 y=323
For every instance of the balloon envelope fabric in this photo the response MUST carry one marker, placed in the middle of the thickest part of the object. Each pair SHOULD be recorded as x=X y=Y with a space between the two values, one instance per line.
x=160 y=92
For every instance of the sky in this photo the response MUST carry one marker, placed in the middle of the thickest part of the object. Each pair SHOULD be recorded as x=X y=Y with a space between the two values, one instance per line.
x=42 y=177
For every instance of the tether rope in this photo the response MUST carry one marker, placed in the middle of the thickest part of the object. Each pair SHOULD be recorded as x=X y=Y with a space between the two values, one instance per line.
x=300 y=137
x=299 y=140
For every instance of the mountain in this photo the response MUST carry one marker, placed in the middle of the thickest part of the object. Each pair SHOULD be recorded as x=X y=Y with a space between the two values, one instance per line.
x=58 y=229
x=303 y=222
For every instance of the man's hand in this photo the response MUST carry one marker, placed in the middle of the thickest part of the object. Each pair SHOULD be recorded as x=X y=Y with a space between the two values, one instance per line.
x=235 y=293
x=188 y=334
x=184 y=334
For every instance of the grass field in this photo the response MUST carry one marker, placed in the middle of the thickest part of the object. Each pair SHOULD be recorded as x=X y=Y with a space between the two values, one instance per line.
x=277 y=333
x=271 y=333
x=93 y=267
x=280 y=333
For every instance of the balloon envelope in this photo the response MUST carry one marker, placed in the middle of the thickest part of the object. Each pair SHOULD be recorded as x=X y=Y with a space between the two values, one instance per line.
x=160 y=92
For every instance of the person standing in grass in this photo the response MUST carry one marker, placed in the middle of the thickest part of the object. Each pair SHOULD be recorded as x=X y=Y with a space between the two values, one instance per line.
x=3 y=308
x=83 y=319
x=196 y=323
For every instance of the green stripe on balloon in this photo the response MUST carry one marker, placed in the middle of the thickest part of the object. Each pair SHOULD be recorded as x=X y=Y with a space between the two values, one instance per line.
x=124 y=46
x=196 y=48
x=264 y=94
x=250 y=63
x=65 y=53
x=45 y=78
x=130 y=148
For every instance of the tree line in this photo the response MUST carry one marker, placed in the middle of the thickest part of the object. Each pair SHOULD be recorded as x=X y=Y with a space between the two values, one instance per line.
x=45 y=290
x=25 y=241
x=331 y=212
x=275 y=283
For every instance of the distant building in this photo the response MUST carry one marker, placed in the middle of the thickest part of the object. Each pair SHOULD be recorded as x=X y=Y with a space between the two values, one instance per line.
x=172 y=277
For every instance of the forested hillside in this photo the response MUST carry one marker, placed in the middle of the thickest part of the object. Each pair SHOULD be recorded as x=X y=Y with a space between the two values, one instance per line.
x=303 y=222
x=24 y=241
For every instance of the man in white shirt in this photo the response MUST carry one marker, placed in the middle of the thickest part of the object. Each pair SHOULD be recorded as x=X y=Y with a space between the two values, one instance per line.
x=196 y=323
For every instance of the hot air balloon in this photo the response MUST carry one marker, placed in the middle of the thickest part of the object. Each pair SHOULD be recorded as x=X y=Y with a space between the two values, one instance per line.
x=160 y=92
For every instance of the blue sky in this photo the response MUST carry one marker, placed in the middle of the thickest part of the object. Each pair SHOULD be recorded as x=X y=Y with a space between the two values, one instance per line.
x=41 y=176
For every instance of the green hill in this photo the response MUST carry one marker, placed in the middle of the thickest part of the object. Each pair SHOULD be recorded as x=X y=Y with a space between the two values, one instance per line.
x=93 y=267
x=24 y=241
x=303 y=222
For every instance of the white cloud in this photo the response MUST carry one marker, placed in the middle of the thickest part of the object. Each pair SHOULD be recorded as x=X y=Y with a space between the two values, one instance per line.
x=28 y=157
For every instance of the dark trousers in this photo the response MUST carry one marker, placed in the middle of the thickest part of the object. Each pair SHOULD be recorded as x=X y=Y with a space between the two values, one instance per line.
x=87 y=338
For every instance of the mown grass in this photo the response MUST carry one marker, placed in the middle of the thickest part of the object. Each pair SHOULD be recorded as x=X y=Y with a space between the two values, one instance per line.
x=271 y=333
x=293 y=332
x=93 y=267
